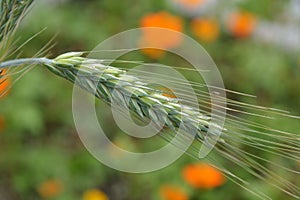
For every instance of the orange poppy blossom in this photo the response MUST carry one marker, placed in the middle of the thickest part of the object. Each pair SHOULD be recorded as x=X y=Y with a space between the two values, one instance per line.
x=191 y=3
x=169 y=192
x=202 y=176
x=160 y=39
x=94 y=194
x=4 y=84
x=50 y=188
x=206 y=30
x=241 y=24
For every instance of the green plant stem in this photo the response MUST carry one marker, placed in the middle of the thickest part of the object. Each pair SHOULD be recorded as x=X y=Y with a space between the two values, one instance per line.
x=25 y=61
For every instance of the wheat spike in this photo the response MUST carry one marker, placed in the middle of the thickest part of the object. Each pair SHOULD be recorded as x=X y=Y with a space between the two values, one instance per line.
x=113 y=84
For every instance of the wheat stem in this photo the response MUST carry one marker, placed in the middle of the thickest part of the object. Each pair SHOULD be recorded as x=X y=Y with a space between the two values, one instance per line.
x=26 y=61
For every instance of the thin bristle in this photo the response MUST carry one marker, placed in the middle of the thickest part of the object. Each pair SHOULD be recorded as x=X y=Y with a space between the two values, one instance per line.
x=11 y=12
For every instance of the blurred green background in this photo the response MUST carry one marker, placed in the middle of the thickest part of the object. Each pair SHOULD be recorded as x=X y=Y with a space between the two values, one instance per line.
x=41 y=154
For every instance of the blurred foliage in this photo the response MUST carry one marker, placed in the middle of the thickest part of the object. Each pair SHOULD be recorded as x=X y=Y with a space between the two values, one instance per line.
x=38 y=140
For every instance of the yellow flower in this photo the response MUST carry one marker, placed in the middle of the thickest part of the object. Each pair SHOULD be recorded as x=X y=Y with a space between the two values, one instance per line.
x=94 y=194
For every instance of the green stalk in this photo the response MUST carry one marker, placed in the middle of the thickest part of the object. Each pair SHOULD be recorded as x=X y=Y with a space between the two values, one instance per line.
x=25 y=61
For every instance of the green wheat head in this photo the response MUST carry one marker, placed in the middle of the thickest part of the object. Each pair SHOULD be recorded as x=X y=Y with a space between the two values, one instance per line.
x=113 y=84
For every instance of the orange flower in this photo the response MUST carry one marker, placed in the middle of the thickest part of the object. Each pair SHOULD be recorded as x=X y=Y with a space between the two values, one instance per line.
x=4 y=84
x=191 y=3
x=202 y=175
x=94 y=194
x=153 y=38
x=207 y=30
x=241 y=24
x=50 y=188
x=151 y=52
x=167 y=92
x=168 y=192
